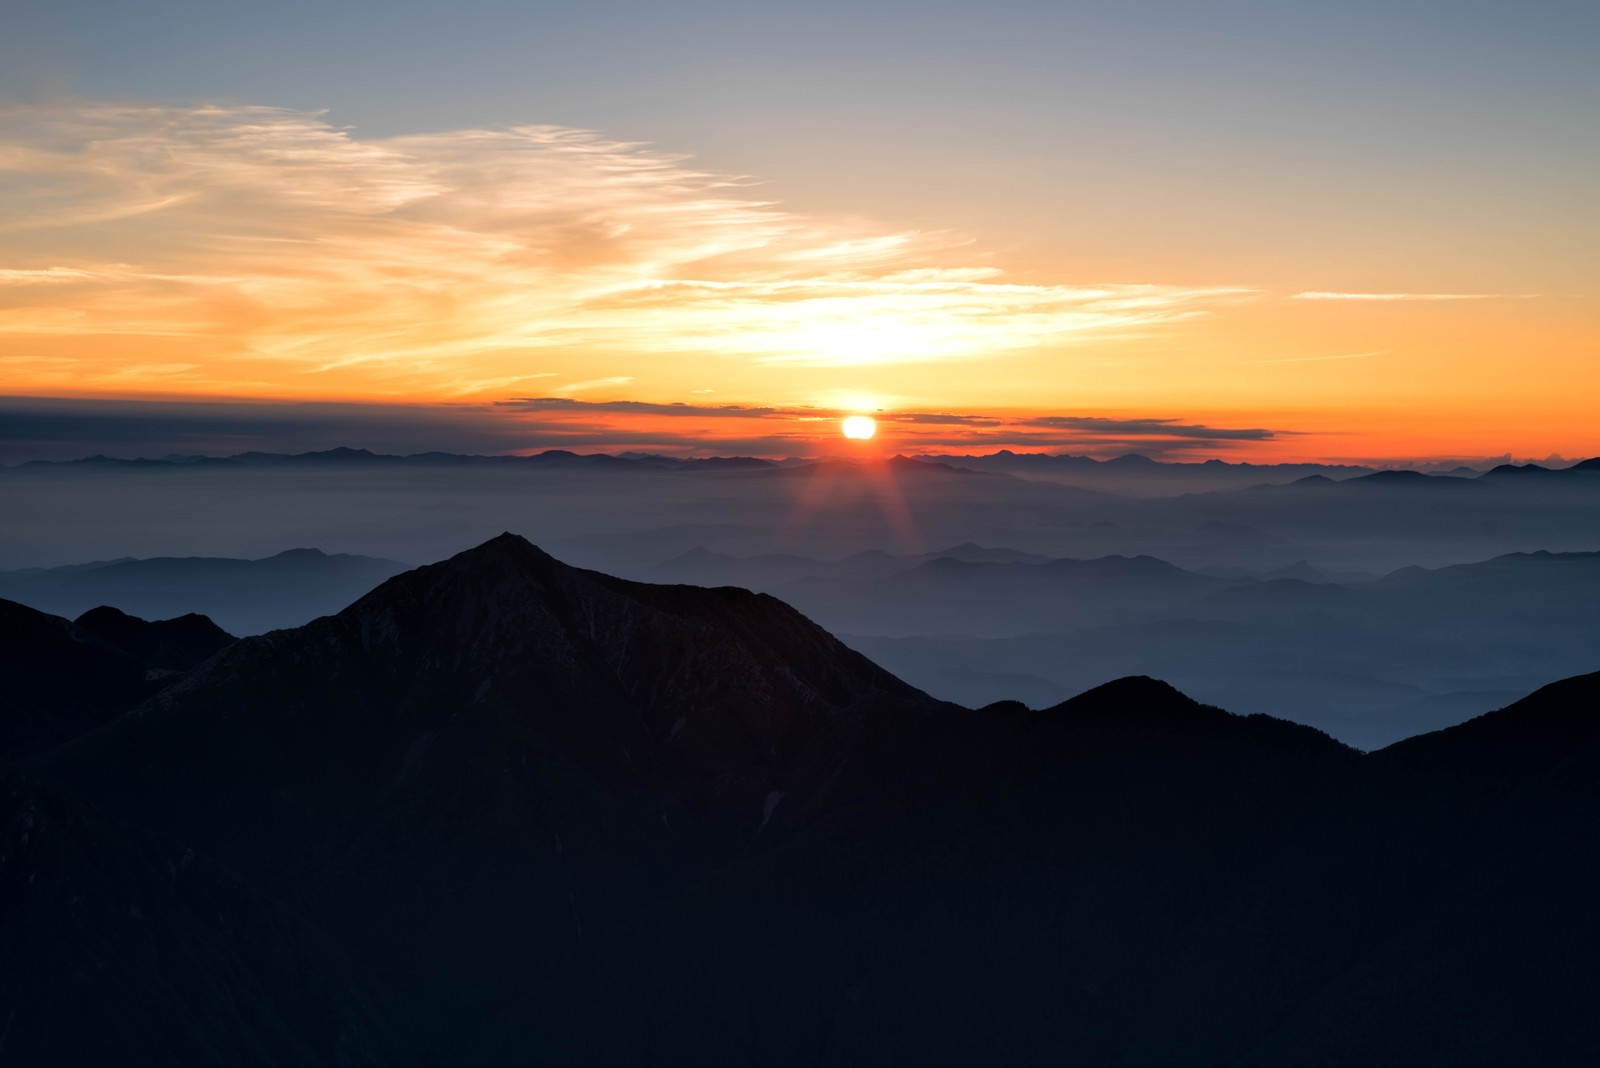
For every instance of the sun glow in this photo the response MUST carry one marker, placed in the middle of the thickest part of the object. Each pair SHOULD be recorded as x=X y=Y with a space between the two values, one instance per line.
x=859 y=427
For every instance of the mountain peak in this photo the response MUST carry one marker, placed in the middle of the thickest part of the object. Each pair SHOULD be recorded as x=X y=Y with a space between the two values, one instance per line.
x=722 y=695
x=504 y=548
x=175 y=644
x=1131 y=690
x=1551 y=718
x=507 y=542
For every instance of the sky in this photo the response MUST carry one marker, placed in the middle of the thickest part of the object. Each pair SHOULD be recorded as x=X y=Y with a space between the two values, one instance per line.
x=1247 y=230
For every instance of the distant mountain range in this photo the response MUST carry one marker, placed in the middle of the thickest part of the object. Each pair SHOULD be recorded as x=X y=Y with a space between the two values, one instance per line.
x=1134 y=473
x=502 y=810
x=625 y=513
x=347 y=455
x=244 y=596
x=1369 y=661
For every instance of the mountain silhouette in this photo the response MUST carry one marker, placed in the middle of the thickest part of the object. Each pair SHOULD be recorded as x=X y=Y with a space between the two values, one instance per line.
x=63 y=678
x=495 y=756
x=162 y=645
x=118 y=947
x=1540 y=473
x=503 y=810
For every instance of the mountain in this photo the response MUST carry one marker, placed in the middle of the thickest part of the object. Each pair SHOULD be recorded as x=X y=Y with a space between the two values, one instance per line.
x=994 y=593
x=63 y=678
x=344 y=455
x=1442 y=914
x=485 y=762
x=1584 y=469
x=700 y=566
x=1139 y=476
x=855 y=577
x=163 y=645
x=117 y=947
x=503 y=810
x=628 y=514
x=244 y=596
x=1404 y=480
x=998 y=899
x=1370 y=662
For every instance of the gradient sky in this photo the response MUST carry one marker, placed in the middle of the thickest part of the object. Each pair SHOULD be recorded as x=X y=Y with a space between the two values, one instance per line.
x=1243 y=229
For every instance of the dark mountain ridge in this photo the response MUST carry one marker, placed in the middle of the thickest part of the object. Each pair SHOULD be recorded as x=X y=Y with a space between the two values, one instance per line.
x=547 y=814
x=374 y=765
x=63 y=678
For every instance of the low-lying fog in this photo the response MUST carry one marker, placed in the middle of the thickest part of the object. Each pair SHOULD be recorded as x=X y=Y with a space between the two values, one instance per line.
x=1298 y=595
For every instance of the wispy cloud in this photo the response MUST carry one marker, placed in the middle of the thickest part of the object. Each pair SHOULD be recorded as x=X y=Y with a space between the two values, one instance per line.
x=270 y=250
x=588 y=384
x=45 y=277
x=1326 y=295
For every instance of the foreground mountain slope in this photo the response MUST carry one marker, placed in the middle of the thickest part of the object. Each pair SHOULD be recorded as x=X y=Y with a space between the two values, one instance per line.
x=484 y=762
x=1132 y=879
x=994 y=901
x=552 y=816
x=1443 y=914
x=119 y=948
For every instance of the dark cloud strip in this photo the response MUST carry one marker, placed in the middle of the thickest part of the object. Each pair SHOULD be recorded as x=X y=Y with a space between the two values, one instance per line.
x=34 y=428
x=1160 y=428
x=702 y=411
x=730 y=411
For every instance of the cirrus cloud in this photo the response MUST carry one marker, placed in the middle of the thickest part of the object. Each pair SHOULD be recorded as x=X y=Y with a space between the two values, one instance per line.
x=263 y=250
x=1318 y=294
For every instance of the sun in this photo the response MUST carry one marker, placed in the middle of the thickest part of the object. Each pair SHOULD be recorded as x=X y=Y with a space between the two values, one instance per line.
x=859 y=427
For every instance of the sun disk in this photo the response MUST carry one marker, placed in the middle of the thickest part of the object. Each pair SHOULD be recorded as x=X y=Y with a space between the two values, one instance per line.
x=859 y=427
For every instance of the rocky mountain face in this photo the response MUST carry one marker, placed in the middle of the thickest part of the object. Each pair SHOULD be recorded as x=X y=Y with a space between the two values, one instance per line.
x=504 y=810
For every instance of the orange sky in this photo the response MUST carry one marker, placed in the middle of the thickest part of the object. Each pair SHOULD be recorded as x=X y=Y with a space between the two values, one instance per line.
x=253 y=253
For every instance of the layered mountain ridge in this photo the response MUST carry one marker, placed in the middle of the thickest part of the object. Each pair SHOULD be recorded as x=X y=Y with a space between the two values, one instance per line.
x=505 y=809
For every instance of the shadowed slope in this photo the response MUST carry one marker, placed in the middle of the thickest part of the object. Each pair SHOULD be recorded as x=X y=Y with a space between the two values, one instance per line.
x=1011 y=879
x=119 y=948
x=486 y=761
x=1441 y=914
x=567 y=818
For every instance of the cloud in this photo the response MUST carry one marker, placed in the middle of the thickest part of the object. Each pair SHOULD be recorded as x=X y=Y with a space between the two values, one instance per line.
x=268 y=251
x=1324 y=295
x=597 y=383
x=936 y=419
x=679 y=409
x=45 y=277
x=57 y=428
x=624 y=407
x=1134 y=429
